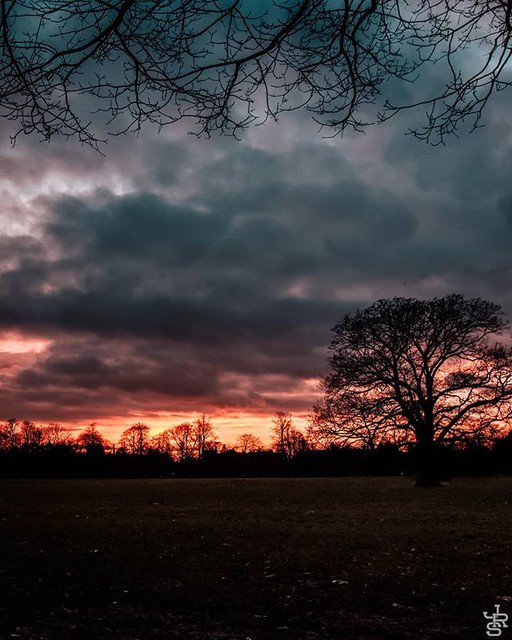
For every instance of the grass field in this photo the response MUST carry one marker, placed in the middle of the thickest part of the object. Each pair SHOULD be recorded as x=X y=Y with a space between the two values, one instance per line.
x=312 y=559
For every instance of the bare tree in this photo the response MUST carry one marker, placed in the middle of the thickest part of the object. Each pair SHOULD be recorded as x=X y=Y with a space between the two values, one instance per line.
x=163 y=442
x=182 y=437
x=31 y=436
x=227 y=64
x=135 y=439
x=248 y=443
x=204 y=436
x=350 y=419
x=10 y=434
x=431 y=371
x=55 y=434
x=282 y=425
x=286 y=439
x=91 y=441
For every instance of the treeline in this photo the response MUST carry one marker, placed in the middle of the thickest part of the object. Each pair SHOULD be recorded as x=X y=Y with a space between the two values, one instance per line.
x=184 y=442
x=194 y=450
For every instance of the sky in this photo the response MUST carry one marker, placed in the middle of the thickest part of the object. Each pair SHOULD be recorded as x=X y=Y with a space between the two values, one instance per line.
x=175 y=275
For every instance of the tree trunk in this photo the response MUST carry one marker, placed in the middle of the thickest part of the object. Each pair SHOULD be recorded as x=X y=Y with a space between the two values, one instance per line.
x=427 y=470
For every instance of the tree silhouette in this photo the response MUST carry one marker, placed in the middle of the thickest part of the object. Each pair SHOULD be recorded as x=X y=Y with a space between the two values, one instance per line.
x=204 y=436
x=182 y=441
x=10 y=434
x=55 y=434
x=227 y=64
x=351 y=419
x=91 y=441
x=286 y=439
x=425 y=369
x=191 y=440
x=135 y=439
x=31 y=436
x=162 y=442
x=248 y=443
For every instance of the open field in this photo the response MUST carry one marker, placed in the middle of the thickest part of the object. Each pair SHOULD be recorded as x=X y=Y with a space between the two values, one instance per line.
x=312 y=559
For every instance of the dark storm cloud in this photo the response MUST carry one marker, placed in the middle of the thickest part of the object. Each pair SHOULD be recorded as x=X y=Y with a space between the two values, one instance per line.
x=141 y=227
x=181 y=274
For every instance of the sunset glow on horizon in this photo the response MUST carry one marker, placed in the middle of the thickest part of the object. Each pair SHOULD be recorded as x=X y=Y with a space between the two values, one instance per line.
x=226 y=426
x=18 y=351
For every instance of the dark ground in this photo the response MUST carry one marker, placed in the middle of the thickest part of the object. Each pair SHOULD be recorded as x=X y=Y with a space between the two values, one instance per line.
x=305 y=559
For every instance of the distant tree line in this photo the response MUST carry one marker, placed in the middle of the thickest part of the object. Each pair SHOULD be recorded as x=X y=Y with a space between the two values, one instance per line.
x=417 y=383
x=194 y=449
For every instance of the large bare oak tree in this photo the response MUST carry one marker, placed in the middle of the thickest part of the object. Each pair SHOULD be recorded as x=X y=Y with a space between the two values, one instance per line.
x=227 y=63
x=423 y=371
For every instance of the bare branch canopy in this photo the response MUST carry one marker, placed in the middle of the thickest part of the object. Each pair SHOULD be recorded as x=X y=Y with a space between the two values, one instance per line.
x=431 y=371
x=65 y=66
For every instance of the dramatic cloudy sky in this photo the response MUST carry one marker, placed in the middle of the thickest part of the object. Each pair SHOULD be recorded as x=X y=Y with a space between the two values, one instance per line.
x=177 y=275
